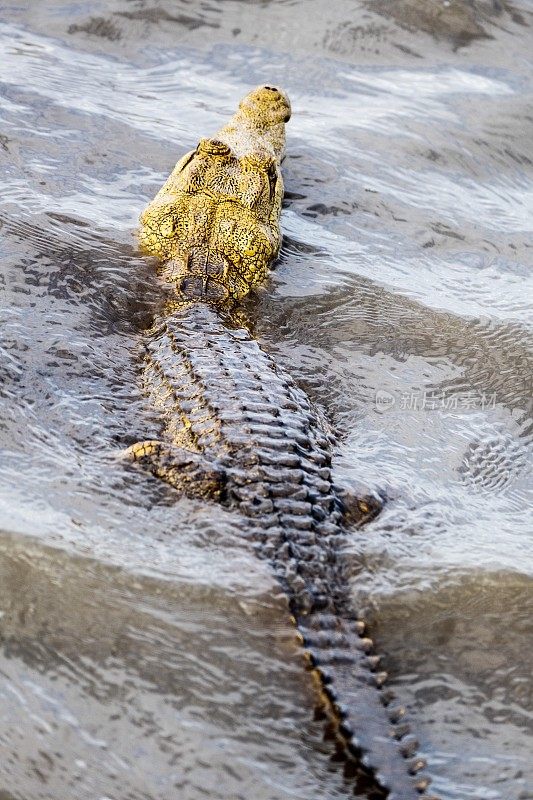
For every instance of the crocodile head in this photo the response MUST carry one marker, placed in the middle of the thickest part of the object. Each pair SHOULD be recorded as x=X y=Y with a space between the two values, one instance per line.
x=215 y=223
x=266 y=106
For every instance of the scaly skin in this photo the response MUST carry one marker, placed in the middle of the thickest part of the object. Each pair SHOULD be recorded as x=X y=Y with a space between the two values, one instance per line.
x=238 y=430
x=215 y=222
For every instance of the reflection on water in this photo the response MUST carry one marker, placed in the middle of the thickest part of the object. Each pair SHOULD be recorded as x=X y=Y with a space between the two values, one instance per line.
x=145 y=652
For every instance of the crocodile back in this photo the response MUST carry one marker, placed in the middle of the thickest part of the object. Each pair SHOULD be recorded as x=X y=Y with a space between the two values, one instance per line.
x=223 y=396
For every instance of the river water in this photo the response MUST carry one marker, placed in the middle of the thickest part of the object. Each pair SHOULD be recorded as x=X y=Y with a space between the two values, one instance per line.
x=145 y=651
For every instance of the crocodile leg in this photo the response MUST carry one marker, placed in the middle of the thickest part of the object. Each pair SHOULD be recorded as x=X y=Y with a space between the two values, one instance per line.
x=188 y=472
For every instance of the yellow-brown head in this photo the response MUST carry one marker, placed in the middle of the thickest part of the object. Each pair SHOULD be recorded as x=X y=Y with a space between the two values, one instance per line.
x=215 y=222
x=266 y=106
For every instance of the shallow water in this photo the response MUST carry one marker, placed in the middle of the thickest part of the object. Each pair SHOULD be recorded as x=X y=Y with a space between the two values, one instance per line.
x=145 y=652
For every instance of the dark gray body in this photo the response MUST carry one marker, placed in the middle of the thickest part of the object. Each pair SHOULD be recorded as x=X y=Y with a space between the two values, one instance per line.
x=256 y=430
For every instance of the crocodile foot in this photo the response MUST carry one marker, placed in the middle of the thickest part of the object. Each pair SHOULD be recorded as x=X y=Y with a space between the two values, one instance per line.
x=188 y=472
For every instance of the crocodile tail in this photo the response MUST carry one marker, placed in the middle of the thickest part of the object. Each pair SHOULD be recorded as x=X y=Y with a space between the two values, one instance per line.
x=369 y=722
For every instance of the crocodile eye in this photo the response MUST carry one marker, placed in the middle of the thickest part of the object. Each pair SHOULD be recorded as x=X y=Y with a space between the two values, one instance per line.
x=363 y=506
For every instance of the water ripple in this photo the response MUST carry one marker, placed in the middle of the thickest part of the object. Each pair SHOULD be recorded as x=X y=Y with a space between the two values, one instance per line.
x=145 y=651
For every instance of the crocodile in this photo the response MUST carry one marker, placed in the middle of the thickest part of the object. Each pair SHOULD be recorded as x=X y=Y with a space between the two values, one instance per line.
x=238 y=430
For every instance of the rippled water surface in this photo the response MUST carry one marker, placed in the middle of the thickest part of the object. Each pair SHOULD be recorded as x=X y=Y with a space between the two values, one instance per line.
x=145 y=652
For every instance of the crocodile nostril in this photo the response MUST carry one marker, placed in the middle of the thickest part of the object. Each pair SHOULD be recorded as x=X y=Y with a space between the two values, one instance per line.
x=271 y=88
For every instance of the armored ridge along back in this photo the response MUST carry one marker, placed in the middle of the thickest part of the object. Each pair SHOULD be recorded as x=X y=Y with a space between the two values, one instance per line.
x=239 y=431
